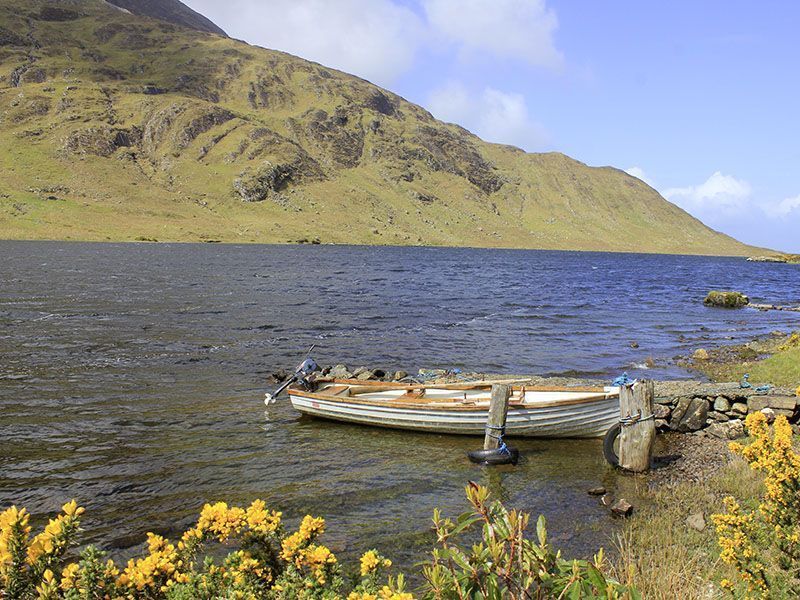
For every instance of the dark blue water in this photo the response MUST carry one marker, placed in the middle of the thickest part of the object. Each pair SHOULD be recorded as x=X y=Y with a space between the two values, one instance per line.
x=131 y=376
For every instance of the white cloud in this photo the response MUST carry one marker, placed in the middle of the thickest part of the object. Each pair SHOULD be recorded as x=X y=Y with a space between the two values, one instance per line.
x=494 y=115
x=522 y=29
x=718 y=193
x=374 y=39
x=783 y=208
x=639 y=173
x=379 y=39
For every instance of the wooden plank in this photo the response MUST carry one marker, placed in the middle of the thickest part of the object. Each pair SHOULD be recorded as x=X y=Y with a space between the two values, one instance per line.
x=498 y=411
x=636 y=438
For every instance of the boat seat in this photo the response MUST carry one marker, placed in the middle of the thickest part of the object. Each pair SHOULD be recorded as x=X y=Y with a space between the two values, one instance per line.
x=338 y=390
x=410 y=395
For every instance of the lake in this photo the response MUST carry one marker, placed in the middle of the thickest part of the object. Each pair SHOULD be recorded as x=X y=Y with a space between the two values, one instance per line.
x=132 y=375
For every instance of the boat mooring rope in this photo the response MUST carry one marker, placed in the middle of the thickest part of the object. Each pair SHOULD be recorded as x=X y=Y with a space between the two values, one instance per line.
x=622 y=380
x=637 y=418
x=499 y=437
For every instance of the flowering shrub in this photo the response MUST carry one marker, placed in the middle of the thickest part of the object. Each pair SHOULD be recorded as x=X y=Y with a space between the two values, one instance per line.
x=763 y=544
x=269 y=563
x=507 y=564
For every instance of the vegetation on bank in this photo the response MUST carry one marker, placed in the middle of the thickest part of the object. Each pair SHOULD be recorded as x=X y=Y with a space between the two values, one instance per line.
x=774 y=360
x=268 y=562
x=752 y=550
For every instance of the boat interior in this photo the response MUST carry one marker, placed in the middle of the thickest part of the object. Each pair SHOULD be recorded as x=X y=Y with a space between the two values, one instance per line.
x=463 y=394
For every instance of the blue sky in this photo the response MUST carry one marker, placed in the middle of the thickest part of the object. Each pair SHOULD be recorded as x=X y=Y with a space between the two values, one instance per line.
x=699 y=99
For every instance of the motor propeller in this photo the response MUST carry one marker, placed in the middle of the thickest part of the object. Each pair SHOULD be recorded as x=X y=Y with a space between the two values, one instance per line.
x=301 y=374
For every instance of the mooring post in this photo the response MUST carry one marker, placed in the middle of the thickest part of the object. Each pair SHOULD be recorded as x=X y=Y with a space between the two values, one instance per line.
x=638 y=432
x=496 y=422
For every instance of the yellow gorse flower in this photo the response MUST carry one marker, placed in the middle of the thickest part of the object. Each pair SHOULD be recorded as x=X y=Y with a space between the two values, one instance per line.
x=371 y=560
x=154 y=570
x=221 y=521
x=387 y=593
x=318 y=558
x=777 y=516
x=68 y=575
x=309 y=529
x=260 y=520
x=54 y=538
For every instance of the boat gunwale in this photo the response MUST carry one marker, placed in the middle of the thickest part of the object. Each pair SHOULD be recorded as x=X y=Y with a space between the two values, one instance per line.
x=598 y=395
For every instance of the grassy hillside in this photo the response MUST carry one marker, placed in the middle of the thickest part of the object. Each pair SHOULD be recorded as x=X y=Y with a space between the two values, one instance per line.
x=121 y=127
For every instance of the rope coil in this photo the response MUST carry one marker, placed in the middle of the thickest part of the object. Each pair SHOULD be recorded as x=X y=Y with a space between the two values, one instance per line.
x=637 y=418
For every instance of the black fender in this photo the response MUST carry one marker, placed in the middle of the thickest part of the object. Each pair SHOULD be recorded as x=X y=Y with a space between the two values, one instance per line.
x=608 y=444
x=496 y=456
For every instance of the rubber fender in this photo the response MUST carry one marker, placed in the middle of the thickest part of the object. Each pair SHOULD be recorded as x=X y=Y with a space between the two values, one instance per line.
x=495 y=456
x=608 y=445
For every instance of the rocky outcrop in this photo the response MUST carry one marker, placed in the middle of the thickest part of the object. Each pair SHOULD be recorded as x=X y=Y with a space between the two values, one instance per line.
x=268 y=179
x=726 y=299
x=9 y=38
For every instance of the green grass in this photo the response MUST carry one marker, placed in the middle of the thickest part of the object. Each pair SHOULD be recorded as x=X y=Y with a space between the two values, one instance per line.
x=662 y=556
x=781 y=369
x=774 y=361
x=177 y=184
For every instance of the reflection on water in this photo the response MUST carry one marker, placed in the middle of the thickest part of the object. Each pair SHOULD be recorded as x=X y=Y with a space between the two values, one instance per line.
x=131 y=376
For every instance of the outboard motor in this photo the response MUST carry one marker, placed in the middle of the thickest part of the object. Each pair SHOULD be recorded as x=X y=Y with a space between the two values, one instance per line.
x=301 y=375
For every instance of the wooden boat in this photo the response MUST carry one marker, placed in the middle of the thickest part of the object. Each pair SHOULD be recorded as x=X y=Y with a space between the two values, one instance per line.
x=461 y=408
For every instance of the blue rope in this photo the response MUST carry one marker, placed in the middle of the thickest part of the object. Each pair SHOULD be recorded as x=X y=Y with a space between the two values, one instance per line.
x=501 y=428
x=744 y=383
x=622 y=380
x=763 y=389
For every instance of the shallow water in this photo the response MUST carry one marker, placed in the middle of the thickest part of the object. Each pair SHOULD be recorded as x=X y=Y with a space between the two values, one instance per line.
x=132 y=376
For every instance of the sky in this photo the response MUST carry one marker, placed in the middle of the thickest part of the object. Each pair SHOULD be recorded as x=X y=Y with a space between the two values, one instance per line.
x=701 y=100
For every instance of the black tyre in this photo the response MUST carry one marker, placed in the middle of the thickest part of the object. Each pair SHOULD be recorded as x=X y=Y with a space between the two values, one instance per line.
x=610 y=445
x=495 y=457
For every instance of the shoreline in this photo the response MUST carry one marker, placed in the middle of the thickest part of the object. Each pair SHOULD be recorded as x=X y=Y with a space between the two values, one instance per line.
x=695 y=419
x=216 y=242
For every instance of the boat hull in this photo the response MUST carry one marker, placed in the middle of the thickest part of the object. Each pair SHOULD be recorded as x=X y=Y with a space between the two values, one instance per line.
x=577 y=420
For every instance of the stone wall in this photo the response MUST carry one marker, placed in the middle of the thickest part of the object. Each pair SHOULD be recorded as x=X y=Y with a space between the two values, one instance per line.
x=720 y=409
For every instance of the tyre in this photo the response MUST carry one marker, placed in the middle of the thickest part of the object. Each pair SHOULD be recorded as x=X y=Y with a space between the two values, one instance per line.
x=495 y=457
x=610 y=445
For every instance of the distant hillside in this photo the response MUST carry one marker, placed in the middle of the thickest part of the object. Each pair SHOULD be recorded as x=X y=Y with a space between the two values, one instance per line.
x=122 y=127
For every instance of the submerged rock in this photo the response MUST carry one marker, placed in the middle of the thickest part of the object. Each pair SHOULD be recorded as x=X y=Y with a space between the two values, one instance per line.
x=622 y=508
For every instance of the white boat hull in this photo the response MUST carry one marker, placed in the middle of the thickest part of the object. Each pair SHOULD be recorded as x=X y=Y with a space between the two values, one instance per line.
x=550 y=414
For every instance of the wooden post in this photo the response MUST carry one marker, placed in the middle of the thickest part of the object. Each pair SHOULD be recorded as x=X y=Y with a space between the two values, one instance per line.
x=636 y=439
x=498 y=409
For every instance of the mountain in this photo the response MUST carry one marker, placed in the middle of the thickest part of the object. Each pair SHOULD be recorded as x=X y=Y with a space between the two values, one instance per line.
x=121 y=126
x=172 y=11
